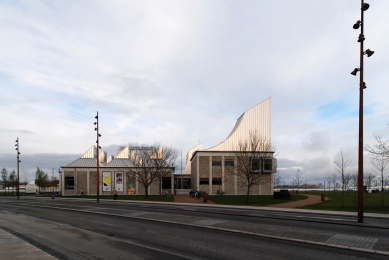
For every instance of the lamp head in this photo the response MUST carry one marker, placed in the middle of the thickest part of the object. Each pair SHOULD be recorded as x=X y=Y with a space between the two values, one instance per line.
x=361 y=38
x=99 y=135
x=369 y=52
x=364 y=85
x=357 y=24
x=365 y=6
x=95 y=123
x=355 y=71
x=95 y=128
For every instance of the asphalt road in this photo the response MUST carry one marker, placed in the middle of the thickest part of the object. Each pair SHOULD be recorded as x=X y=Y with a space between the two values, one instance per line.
x=84 y=229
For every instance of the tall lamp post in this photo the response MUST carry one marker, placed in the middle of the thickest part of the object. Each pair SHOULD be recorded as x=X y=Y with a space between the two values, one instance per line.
x=18 y=161
x=97 y=155
x=362 y=86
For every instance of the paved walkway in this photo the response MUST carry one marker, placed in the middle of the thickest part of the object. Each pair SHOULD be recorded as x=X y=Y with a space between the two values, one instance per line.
x=312 y=199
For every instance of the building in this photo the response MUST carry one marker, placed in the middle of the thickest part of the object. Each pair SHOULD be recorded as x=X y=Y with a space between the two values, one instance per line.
x=214 y=170
x=114 y=173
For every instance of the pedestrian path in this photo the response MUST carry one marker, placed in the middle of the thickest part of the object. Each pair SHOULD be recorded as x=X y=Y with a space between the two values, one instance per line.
x=12 y=247
x=311 y=199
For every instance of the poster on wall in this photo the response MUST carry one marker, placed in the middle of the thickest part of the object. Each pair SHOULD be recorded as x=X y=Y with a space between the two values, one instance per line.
x=106 y=181
x=119 y=181
x=131 y=184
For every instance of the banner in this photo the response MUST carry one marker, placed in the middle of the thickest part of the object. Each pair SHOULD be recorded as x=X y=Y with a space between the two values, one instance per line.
x=119 y=181
x=131 y=184
x=106 y=181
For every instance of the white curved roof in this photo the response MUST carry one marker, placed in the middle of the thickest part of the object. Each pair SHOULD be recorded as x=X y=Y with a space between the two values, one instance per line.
x=187 y=169
x=256 y=118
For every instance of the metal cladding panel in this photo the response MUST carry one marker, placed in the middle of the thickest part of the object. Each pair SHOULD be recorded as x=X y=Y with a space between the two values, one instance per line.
x=117 y=163
x=256 y=118
x=124 y=154
x=91 y=153
x=187 y=169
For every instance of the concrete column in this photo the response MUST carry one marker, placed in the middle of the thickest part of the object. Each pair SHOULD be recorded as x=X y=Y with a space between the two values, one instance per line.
x=222 y=173
x=235 y=177
x=197 y=172
x=63 y=182
x=87 y=183
x=210 y=175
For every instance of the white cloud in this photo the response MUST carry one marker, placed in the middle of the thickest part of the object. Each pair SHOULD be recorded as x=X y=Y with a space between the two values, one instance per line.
x=183 y=71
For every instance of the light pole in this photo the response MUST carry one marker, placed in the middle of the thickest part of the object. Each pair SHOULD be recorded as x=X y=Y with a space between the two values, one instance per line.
x=18 y=161
x=97 y=154
x=362 y=86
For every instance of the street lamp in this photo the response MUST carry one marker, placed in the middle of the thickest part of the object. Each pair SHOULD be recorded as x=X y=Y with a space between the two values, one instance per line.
x=97 y=154
x=362 y=86
x=18 y=161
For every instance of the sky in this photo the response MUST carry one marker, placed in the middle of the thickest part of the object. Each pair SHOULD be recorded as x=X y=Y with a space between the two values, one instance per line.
x=182 y=72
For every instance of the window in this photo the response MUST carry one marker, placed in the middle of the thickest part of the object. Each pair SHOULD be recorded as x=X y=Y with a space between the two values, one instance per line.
x=69 y=183
x=267 y=165
x=186 y=183
x=166 y=183
x=255 y=162
x=216 y=181
x=177 y=183
x=204 y=181
x=229 y=163
x=216 y=163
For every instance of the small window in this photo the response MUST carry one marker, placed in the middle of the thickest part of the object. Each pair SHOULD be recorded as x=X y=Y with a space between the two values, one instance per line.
x=216 y=181
x=267 y=165
x=255 y=164
x=229 y=163
x=216 y=163
x=69 y=183
x=204 y=181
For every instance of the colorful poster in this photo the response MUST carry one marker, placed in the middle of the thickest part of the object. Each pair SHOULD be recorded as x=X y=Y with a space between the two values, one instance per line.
x=119 y=181
x=106 y=181
x=131 y=184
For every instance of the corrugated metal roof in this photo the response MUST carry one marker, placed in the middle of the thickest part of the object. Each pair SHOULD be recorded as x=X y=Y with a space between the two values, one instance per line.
x=119 y=162
x=84 y=162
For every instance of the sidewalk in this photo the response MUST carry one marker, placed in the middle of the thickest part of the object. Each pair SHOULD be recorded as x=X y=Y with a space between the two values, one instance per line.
x=12 y=247
x=312 y=199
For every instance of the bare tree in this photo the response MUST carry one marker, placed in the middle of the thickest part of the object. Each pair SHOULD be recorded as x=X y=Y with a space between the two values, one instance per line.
x=277 y=179
x=381 y=148
x=354 y=182
x=164 y=159
x=380 y=163
x=341 y=173
x=368 y=179
x=328 y=178
x=254 y=157
x=142 y=166
x=298 y=178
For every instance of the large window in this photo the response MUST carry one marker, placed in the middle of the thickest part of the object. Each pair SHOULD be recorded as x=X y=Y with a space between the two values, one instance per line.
x=177 y=183
x=255 y=162
x=267 y=165
x=186 y=183
x=166 y=183
x=69 y=183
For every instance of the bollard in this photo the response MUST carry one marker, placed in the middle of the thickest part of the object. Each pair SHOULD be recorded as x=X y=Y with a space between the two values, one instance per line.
x=297 y=191
x=323 y=198
x=205 y=197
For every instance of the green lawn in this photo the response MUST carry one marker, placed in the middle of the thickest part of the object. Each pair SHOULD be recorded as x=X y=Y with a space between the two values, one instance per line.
x=372 y=202
x=255 y=200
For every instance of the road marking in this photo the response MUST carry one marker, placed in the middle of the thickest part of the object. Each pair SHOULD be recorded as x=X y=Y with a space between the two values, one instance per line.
x=208 y=222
